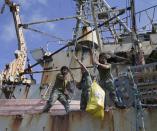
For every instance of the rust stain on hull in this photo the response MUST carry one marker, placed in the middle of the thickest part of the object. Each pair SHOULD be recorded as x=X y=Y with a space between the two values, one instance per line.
x=115 y=120
x=17 y=120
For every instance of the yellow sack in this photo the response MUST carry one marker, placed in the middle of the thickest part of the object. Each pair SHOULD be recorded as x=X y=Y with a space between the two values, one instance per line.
x=95 y=105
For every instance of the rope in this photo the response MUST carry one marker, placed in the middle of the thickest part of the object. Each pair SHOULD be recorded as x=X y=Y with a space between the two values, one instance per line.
x=94 y=53
x=52 y=70
x=48 y=21
x=75 y=44
x=44 y=33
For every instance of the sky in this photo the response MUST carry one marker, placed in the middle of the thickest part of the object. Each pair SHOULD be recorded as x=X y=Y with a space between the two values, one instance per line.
x=34 y=10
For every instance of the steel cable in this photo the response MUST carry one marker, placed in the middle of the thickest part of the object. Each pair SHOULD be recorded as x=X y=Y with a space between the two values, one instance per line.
x=46 y=34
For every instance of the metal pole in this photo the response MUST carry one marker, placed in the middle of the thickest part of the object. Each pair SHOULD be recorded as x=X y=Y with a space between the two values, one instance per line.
x=138 y=49
x=138 y=104
x=133 y=17
x=96 y=26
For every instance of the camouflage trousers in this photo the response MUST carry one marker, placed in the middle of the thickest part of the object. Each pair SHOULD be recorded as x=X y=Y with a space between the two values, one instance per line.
x=54 y=96
x=84 y=100
x=110 y=92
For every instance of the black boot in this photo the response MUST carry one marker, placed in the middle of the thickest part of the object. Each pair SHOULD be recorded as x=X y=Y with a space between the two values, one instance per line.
x=120 y=105
x=46 y=108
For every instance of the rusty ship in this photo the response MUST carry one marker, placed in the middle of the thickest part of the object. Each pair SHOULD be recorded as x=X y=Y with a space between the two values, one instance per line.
x=100 y=28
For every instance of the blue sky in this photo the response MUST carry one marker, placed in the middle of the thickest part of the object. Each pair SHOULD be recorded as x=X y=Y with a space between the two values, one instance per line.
x=33 y=10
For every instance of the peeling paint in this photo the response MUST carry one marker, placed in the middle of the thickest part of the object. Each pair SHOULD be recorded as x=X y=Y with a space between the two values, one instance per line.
x=57 y=120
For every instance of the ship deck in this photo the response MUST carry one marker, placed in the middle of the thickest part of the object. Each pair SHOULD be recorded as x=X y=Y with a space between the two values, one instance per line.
x=25 y=115
x=33 y=106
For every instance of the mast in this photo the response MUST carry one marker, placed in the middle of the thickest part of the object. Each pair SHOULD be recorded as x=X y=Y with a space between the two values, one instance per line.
x=133 y=17
x=96 y=26
x=139 y=60
x=133 y=26
x=139 y=55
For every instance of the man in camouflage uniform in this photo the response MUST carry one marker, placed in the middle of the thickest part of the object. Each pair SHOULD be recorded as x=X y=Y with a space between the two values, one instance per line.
x=84 y=85
x=106 y=80
x=60 y=90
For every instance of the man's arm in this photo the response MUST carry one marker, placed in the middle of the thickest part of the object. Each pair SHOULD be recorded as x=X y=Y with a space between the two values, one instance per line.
x=81 y=64
x=96 y=61
x=105 y=66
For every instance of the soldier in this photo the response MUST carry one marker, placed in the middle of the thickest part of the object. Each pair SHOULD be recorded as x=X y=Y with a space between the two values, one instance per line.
x=60 y=90
x=106 y=80
x=84 y=85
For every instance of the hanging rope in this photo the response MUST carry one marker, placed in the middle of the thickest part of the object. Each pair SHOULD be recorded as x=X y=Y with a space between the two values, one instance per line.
x=75 y=44
x=93 y=56
x=44 y=33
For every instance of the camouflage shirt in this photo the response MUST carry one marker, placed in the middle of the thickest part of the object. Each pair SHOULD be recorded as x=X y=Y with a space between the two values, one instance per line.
x=105 y=74
x=106 y=80
x=61 y=82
